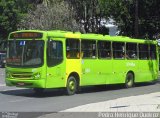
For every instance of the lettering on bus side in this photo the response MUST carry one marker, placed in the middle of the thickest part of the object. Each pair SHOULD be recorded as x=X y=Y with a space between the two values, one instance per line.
x=87 y=70
x=131 y=64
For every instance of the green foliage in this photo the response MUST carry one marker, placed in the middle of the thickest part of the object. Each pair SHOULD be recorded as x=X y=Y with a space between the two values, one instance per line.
x=8 y=16
x=123 y=12
x=88 y=14
x=11 y=12
x=149 y=18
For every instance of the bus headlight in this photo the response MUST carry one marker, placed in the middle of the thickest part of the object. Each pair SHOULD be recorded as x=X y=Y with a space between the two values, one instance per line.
x=37 y=76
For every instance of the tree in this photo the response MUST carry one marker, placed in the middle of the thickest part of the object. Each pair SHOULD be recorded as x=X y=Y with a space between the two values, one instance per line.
x=149 y=18
x=89 y=14
x=50 y=16
x=124 y=13
x=7 y=14
x=11 y=12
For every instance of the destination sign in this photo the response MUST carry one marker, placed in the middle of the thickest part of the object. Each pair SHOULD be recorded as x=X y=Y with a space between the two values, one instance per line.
x=25 y=35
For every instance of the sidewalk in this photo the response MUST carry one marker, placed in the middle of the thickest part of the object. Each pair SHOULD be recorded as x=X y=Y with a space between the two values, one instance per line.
x=141 y=103
x=141 y=106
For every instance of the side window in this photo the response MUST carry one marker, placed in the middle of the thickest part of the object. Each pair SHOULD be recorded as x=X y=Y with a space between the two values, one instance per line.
x=131 y=51
x=72 y=48
x=153 y=52
x=118 y=50
x=143 y=51
x=104 y=49
x=54 y=53
x=88 y=48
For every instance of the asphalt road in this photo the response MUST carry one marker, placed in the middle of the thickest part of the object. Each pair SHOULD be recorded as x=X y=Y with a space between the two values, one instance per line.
x=2 y=74
x=14 y=99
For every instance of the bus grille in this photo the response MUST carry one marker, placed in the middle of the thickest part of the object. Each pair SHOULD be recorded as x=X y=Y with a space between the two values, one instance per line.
x=26 y=75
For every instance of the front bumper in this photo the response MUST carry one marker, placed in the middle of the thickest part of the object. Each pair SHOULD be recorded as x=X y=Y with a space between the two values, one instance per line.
x=25 y=83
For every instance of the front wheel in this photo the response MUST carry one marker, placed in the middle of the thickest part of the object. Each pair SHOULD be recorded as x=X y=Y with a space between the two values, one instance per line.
x=129 y=80
x=71 y=87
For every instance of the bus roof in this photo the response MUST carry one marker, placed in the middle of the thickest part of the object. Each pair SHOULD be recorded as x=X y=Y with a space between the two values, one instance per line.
x=87 y=36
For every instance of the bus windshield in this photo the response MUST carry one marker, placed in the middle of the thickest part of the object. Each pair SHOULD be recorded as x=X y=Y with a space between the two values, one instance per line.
x=25 y=53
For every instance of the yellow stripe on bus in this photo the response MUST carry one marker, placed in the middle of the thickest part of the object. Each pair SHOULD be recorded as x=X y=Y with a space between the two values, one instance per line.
x=71 y=35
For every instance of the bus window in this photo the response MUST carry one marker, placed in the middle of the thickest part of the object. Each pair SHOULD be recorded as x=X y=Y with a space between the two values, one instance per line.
x=73 y=48
x=104 y=49
x=118 y=50
x=25 y=53
x=131 y=51
x=89 y=48
x=55 y=53
x=143 y=51
x=153 y=52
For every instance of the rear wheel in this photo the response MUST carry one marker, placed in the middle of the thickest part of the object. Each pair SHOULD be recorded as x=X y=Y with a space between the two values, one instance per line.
x=129 y=80
x=71 y=87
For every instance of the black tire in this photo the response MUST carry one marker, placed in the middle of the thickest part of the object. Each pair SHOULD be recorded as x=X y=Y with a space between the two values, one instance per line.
x=129 y=82
x=38 y=91
x=71 y=87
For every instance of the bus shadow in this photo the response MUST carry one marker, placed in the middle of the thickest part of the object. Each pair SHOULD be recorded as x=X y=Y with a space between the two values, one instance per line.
x=100 y=88
x=61 y=92
x=31 y=93
x=115 y=87
x=147 y=83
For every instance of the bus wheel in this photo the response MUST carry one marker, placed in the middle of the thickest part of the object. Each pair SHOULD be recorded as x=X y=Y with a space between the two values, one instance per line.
x=71 y=86
x=38 y=90
x=129 y=80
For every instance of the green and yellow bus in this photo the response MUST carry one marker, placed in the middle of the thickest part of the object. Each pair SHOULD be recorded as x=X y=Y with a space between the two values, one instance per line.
x=62 y=59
